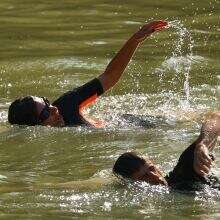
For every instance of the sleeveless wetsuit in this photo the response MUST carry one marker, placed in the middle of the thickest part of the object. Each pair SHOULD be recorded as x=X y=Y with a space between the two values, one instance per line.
x=72 y=102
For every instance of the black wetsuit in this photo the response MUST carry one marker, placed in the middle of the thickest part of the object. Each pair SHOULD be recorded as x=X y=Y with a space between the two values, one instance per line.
x=183 y=176
x=69 y=103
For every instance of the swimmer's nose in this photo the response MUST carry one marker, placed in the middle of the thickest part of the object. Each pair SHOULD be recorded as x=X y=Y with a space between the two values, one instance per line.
x=152 y=168
x=157 y=178
x=54 y=110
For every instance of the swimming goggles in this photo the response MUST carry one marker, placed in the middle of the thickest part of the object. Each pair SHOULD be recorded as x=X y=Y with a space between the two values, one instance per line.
x=45 y=113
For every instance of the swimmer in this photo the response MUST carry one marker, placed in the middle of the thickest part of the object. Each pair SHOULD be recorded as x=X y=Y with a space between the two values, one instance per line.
x=193 y=167
x=67 y=110
x=193 y=170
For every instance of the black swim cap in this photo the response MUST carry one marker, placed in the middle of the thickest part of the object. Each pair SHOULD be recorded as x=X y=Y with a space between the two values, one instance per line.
x=127 y=164
x=23 y=111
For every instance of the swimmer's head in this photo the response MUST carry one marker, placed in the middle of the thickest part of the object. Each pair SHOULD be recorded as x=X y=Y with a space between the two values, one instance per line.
x=23 y=111
x=131 y=166
x=31 y=110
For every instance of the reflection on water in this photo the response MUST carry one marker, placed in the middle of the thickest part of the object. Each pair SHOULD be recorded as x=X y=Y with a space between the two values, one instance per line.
x=48 y=48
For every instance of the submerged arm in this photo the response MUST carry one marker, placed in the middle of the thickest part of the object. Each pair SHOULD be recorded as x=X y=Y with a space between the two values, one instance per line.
x=92 y=184
x=118 y=64
x=205 y=143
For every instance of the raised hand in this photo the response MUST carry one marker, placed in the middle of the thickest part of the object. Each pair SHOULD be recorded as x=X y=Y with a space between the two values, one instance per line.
x=211 y=127
x=116 y=67
x=202 y=161
x=148 y=29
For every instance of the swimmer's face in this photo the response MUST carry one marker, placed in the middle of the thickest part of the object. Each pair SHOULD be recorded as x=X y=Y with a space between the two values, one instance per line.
x=48 y=115
x=149 y=173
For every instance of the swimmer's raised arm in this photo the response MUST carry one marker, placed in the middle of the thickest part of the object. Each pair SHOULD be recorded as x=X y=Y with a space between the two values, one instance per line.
x=206 y=142
x=118 y=64
x=210 y=128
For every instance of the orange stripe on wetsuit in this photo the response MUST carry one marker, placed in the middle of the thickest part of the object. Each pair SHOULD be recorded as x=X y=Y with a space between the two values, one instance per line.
x=94 y=122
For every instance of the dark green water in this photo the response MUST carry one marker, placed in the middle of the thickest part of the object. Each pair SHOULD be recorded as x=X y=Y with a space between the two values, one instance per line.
x=48 y=47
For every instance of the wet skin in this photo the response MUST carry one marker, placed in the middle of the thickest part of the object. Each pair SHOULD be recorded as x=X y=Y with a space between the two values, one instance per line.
x=55 y=119
x=148 y=172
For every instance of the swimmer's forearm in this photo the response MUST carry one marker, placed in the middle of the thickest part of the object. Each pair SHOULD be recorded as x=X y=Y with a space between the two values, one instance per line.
x=205 y=143
x=118 y=64
x=210 y=131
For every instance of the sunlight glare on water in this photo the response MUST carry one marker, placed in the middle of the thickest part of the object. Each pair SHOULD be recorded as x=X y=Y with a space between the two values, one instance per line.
x=49 y=47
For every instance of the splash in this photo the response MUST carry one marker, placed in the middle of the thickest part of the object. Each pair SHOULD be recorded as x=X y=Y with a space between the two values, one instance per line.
x=174 y=72
x=185 y=38
x=173 y=101
x=181 y=59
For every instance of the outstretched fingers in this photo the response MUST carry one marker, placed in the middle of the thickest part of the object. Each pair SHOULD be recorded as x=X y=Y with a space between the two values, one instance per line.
x=149 y=28
x=203 y=170
x=154 y=26
x=159 y=25
x=202 y=161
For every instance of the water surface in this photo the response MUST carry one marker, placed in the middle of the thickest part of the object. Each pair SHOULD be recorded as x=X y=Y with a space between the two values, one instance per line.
x=48 y=47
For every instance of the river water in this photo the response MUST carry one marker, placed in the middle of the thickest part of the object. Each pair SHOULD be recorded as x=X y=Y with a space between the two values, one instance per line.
x=48 y=47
